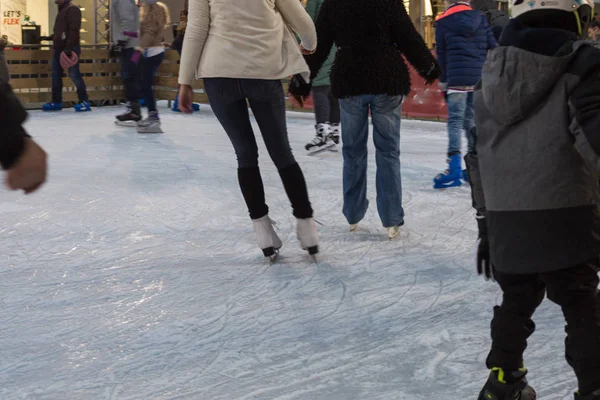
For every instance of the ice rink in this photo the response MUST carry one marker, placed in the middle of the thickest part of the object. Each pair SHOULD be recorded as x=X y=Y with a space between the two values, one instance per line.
x=134 y=274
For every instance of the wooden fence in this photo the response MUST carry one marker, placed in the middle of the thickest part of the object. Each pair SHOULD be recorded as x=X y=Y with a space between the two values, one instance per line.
x=31 y=77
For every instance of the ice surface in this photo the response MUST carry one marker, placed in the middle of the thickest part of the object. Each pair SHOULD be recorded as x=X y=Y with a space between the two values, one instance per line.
x=134 y=274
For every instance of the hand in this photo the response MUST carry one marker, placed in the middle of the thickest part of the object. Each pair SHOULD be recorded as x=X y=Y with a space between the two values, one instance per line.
x=299 y=89
x=135 y=57
x=166 y=45
x=186 y=99
x=306 y=52
x=29 y=172
x=484 y=266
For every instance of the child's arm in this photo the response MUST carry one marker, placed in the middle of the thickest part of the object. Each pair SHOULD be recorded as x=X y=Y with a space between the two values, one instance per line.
x=483 y=249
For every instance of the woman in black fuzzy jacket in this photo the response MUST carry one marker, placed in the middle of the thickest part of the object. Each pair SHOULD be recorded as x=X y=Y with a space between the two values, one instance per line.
x=369 y=74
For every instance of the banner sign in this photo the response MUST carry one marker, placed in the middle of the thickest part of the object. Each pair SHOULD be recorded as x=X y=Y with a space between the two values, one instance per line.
x=13 y=14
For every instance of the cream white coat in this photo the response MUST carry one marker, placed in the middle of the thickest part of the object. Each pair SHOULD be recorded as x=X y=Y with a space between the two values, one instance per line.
x=245 y=39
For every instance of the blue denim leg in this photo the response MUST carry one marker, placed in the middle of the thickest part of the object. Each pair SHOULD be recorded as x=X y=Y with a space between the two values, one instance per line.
x=386 y=112
x=75 y=75
x=149 y=68
x=457 y=105
x=470 y=123
x=57 y=72
x=231 y=109
x=355 y=133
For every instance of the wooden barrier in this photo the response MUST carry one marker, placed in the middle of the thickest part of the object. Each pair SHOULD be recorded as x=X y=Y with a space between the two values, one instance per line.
x=31 y=77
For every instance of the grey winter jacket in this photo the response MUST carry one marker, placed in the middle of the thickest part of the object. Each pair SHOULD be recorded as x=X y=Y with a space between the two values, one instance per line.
x=124 y=17
x=538 y=147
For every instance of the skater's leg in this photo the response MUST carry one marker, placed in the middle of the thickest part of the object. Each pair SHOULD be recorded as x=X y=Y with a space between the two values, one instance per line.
x=512 y=324
x=355 y=132
x=129 y=76
x=457 y=104
x=321 y=104
x=57 y=72
x=267 y=101
x=75 y=75
x=576 y=291
x=334 y=108
x=469 y=123
x=387 y=114
x=231 y=110
x=150 y=68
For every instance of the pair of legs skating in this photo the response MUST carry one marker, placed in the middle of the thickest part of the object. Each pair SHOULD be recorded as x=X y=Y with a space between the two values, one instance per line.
x=386 y=113
x=327 y=115
x=229 y=100
x=461 y=117
x=129 y=75
x=57 y=85
x=575 y=290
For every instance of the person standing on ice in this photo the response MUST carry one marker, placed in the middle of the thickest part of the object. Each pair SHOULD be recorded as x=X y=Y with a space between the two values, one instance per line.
x=369 y=75
x=124 y=32
x=462 y=41
x=154 y=19
x=65 y=55
x=535 y=186
x=243 y=50
x=326 y=106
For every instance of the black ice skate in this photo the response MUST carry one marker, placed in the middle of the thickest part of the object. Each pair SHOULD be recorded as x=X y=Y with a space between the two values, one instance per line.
x=591 y=396
x=131 y=117
x=507 y=386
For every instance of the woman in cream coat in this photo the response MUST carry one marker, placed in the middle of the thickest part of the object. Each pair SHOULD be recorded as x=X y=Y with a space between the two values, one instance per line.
x=242 y=50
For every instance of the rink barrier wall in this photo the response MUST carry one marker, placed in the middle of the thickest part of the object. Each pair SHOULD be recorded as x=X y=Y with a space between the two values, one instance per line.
x=31 y=68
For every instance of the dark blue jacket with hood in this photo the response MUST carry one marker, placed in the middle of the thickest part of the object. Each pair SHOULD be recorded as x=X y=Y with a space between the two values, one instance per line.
x=462 y=39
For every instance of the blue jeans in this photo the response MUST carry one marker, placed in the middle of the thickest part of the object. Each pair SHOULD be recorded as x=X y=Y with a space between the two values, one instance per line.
x=74 y=74
x=129 y=73
x=386 y=113
x=460 y=117
x=149 y=67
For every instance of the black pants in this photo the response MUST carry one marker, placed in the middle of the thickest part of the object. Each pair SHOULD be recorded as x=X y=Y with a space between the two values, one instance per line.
x=576 y=291
x=229 y=100
x=129 y=75
x=327 y=107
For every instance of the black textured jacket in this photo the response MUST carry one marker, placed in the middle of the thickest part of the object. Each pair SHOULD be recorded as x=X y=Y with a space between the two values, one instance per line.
x=67 y=26
x=12 y=134
x=371 y=36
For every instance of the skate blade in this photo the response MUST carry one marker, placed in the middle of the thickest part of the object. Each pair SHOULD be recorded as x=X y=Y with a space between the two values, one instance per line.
x=149 y=130
x=126 y=124
x=320 y=150
x=455 y=183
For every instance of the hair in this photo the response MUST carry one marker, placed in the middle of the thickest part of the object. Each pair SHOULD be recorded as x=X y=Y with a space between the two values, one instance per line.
x=147 y=10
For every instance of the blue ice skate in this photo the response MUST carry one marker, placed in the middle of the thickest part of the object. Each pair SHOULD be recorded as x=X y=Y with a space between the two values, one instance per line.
x=52 y=106
x=451 y=177
x=84 y=106
x=195 y=106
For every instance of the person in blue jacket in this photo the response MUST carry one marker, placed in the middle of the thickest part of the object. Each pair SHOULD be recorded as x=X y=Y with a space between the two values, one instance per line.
x=463 y=38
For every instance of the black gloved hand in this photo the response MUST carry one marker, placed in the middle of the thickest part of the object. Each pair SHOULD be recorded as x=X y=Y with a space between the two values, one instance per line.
x=484 y=265
x=432 y=74
x=299 y=89
x=117 y=48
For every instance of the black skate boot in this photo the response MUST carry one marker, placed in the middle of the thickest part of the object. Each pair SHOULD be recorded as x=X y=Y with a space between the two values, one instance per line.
x=592 y=396
x=130 y=117
x=507 y=386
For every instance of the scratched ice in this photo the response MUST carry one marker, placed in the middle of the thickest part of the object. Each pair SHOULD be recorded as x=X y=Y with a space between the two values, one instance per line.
x=134 y=274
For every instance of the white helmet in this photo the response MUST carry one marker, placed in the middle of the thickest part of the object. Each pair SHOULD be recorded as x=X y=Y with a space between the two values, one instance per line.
x=522 y=6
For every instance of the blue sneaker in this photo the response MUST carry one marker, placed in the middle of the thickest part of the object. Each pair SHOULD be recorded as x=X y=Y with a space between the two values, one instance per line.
x=83 y=106
x=196 y=107
x=176 y=105
x=452 y=176
x=52 y=106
